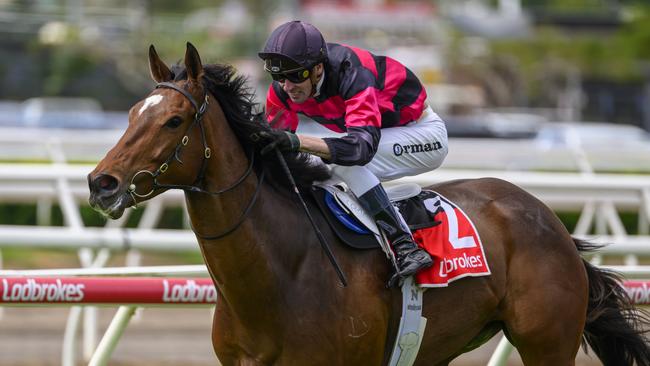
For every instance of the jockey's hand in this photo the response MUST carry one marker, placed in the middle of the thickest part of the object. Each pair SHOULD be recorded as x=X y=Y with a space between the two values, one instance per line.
x=283 y=140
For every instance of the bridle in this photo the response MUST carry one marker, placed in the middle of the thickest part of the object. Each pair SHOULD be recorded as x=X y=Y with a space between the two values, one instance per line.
x=207 y=153
x=198 y=117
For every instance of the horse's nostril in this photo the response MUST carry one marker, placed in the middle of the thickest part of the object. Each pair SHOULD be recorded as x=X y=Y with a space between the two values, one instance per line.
x=105 y=183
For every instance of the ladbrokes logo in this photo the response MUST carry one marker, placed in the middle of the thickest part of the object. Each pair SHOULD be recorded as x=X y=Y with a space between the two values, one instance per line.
x=32 y=291
x=189 y=292
x=399 y=150
x=450 y=265
x=639 y=295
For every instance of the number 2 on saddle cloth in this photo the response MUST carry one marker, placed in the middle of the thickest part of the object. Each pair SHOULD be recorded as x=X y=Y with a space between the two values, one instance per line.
x=448 y=235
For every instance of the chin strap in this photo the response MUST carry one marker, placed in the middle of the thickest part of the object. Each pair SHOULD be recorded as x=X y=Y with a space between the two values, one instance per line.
x=314 y=83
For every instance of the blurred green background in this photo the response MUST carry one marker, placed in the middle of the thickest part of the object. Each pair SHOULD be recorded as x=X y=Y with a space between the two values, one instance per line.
x=523 y=54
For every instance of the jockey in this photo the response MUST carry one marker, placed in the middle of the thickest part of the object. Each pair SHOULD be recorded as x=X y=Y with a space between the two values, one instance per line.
x=376 y=101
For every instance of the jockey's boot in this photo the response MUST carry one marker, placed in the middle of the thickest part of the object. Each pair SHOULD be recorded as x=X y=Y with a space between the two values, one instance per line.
x=410 y=258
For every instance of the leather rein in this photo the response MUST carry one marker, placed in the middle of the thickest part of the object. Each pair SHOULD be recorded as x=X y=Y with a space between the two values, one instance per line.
x=198 y=117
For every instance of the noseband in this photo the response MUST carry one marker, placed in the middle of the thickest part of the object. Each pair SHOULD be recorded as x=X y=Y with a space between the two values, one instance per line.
x=198 y=117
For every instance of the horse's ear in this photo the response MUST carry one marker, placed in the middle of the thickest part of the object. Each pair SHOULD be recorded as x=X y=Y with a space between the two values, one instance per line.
x=193 y=63
x=159 y=71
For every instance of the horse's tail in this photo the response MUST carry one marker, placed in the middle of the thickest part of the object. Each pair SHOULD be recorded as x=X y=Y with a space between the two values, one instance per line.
x=614 y=327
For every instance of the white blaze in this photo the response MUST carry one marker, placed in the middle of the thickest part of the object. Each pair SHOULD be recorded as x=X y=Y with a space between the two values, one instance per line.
x=151 y=101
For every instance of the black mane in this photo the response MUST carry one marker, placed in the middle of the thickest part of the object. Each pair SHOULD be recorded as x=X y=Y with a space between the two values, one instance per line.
x=237 y=102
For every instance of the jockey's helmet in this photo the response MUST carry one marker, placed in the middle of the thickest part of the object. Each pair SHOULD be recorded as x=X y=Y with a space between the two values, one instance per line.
x=292 y=48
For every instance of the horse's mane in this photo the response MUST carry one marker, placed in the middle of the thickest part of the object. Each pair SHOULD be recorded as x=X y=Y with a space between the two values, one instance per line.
x=237 y=102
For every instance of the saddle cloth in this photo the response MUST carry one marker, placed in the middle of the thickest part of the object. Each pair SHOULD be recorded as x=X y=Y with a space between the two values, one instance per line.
x=438 y=225
x=453 y=243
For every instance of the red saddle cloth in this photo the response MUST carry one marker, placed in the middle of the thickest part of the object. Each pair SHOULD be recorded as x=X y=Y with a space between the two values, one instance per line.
x=454 y=245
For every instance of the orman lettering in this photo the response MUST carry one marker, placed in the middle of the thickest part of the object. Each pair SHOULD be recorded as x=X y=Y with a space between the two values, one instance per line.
x=399 y=150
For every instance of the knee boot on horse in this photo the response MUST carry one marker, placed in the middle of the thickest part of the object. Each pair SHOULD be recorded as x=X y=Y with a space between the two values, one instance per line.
x=410 y=258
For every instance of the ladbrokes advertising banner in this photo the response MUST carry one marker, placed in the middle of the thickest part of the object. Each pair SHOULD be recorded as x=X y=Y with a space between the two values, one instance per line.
x=114 y=290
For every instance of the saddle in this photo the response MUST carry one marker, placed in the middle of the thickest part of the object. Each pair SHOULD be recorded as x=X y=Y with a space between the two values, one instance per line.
x=355 y=227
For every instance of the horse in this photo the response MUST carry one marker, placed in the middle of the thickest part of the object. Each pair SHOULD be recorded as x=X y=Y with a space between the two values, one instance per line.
x=280 y=301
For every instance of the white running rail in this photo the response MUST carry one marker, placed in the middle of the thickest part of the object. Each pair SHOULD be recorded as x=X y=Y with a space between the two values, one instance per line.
x=599 y=198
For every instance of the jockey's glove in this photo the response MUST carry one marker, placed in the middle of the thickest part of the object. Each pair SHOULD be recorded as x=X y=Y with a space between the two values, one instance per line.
x=283 y=140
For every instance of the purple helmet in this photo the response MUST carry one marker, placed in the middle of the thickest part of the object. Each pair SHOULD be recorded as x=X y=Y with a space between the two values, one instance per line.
x=292 y=46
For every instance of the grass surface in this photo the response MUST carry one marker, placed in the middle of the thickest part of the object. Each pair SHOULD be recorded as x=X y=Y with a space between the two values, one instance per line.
x=19 y=258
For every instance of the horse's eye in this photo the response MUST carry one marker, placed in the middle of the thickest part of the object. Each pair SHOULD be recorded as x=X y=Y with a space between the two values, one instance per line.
x=173 y=122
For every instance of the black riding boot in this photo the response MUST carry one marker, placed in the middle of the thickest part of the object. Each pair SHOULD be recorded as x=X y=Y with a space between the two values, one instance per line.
x=410 y=257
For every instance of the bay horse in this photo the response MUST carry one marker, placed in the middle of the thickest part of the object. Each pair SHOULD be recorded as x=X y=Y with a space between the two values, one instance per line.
x=280 y=301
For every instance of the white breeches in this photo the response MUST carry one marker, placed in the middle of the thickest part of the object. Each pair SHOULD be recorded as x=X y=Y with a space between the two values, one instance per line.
x=415 y=148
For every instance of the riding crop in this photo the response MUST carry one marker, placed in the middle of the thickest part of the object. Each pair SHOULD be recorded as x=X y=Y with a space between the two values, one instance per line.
x=321 y=238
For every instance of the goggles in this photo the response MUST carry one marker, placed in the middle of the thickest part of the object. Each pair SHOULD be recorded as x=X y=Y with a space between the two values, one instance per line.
x=297 y=75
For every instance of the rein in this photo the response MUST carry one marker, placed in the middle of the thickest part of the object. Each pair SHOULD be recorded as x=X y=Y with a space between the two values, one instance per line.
x=207 y=153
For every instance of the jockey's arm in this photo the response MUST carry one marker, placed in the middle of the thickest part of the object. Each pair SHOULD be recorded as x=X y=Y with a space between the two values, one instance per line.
x=314 y=145
x=355 y=148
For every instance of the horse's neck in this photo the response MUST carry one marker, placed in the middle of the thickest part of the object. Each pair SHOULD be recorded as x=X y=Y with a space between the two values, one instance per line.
x=251 y=263
x=254 y=264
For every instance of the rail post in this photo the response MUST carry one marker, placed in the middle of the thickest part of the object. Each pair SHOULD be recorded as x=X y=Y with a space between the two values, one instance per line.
x=114 y=332
x=501 y=353
x=69 y=351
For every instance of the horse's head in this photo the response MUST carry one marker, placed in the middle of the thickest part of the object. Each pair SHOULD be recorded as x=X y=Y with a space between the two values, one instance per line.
x=164 y=144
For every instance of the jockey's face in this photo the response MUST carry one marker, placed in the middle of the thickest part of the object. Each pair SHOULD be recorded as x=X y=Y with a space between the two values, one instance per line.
x=300 y=92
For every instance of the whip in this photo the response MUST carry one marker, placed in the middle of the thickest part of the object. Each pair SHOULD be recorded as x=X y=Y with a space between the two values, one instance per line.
x=320 y=236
